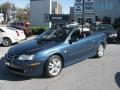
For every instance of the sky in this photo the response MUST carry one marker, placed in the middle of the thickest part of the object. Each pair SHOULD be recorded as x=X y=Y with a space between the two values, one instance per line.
x=18 y=3
x=22 y=3
x=66 y=5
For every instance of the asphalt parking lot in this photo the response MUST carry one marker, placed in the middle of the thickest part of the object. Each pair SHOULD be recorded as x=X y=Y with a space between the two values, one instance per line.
x=91 y=74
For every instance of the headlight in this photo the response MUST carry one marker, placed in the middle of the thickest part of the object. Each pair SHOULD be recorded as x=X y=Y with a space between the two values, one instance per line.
x=113 y=35
x=26 y=57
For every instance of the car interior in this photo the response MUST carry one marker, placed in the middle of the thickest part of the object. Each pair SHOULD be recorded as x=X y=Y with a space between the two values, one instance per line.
x=79 y=35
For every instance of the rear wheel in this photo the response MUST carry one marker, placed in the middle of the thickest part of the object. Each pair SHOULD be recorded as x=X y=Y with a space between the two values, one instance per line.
x=100 y=51
x=7 y=42
x=54 y=66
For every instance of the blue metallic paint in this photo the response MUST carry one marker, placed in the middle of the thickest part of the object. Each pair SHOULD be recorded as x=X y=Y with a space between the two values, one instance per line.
x=71 y=53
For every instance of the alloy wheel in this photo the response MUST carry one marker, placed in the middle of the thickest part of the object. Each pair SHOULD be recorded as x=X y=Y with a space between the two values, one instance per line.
x=54 y=66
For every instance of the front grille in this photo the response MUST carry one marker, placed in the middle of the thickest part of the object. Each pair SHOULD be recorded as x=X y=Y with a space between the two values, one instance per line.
x=12 y=56
x=15 y=69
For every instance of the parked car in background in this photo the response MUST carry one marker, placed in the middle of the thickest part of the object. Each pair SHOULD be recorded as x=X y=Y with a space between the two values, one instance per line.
x=108 y=29
x=76 y=25
x=10 y=35
x=22 y=25
x=53 y=50
x=72 y=24
x=118 y=32
x=1 y=38
x=27 y=32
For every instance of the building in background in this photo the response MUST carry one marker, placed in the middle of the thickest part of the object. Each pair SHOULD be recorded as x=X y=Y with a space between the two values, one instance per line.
x=89 y=14
x=1 y=18
x=107 y=8
x=95 y=10
x=56 y=7
x=72 y=14
x=41 y=9
x=38 y=9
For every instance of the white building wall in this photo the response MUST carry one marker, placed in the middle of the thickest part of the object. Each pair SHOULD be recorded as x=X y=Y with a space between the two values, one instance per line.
x=38 y=9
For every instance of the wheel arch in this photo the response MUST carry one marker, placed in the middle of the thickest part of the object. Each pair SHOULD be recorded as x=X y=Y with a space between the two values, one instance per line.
x=104 y=44
x=58 y=54
x=8 y=38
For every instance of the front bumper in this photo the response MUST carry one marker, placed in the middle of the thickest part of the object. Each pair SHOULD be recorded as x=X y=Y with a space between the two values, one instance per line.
x=25 y=68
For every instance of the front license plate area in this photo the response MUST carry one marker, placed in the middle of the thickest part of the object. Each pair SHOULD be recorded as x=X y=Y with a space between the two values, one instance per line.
x=8 y=63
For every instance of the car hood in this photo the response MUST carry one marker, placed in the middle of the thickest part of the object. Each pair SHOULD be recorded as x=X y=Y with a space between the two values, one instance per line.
x=32 y=46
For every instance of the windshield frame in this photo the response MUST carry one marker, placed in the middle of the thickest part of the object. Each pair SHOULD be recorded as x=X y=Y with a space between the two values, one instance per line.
x=56 y=38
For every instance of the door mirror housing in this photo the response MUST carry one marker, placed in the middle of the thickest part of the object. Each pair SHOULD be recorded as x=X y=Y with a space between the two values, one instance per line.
x=72 y=40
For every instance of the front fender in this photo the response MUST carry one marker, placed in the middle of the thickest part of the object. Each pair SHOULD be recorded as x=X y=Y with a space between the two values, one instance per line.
x=44 y=55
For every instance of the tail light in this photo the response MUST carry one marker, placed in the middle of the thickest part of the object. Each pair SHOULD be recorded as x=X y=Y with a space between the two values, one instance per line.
x=17 y=33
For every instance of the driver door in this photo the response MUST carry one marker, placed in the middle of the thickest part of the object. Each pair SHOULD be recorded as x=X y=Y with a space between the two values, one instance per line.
x=76 y=48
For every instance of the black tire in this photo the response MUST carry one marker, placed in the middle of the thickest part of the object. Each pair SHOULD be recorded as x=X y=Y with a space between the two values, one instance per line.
x=100 y=51
x=7 y=42
x=48 y=72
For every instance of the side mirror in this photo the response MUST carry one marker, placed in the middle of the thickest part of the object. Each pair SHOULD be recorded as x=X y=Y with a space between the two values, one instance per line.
x=72 y=40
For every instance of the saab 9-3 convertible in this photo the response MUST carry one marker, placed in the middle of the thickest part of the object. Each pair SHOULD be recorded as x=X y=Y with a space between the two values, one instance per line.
x=53 y=50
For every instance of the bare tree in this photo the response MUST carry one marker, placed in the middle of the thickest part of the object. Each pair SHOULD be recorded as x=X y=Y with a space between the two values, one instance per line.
x=7 y=6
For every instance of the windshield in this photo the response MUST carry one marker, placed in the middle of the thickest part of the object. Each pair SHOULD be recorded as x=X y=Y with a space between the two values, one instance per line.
x=55 y=34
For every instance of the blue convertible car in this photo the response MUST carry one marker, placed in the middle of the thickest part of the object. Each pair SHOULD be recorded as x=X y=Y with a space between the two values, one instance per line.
x=53 y=50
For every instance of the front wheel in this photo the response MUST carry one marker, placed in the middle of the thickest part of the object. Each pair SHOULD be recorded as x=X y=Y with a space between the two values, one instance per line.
x=54 y=66
x=100 y=51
